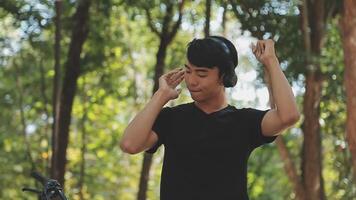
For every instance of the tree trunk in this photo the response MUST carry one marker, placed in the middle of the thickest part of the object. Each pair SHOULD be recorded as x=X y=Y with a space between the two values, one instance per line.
x=349 y=43
x=160 y=57
x=57 y=68
x=311 y=162
x=72 y=72
x=313 y=21
x=289 y=167
x=223 y=19
x=145 y=174
x=207 y=18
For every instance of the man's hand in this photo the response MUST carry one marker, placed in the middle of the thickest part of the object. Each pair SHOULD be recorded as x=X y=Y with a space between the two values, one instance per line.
x=169 y=81
x=265 y=52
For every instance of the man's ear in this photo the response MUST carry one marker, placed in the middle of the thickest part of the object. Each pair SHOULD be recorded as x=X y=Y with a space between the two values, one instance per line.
x=221 y=79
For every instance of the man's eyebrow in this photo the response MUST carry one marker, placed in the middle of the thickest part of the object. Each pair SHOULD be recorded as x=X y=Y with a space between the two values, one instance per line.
x=198 y=70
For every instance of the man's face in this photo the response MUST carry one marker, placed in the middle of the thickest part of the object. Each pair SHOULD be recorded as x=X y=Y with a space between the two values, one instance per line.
x=203 y=83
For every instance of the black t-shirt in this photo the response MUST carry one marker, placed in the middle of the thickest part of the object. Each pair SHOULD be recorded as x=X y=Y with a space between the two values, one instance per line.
x=205 y=155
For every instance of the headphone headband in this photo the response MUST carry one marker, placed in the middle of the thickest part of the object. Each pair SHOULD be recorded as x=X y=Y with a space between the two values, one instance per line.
x=222 y=44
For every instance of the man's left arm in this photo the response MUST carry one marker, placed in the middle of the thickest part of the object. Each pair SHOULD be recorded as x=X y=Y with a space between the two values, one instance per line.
x=285 y=113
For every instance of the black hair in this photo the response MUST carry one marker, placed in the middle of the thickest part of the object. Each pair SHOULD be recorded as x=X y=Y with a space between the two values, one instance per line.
x=215 y=51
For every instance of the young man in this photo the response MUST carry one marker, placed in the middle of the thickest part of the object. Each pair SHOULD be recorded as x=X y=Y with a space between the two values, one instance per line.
x=208 y=142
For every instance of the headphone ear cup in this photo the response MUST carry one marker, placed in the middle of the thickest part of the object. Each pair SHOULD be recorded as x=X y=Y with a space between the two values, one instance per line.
x=229 y=77
x=230 y=80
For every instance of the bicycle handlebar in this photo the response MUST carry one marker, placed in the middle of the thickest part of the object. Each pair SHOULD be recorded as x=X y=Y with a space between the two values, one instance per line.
x=39 y=177
x=51 y=188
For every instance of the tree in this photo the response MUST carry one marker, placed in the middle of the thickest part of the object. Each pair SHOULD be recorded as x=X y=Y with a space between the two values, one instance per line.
x=348 y=23
x=72 y=71
x=313 y=26
x=117 y=65
x=207 y=18
x=57 y=69
x=314 y=16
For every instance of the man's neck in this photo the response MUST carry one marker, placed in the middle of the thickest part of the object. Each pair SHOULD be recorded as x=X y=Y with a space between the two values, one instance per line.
x=214 y=104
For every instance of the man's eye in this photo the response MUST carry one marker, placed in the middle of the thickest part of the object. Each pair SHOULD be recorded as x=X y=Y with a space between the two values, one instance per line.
x=202 y=75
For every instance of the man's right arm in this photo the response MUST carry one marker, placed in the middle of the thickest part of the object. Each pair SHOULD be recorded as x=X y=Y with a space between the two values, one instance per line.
x=138 y=135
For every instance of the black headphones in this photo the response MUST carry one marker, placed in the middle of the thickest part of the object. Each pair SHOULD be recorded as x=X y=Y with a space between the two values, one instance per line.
x=228 y=73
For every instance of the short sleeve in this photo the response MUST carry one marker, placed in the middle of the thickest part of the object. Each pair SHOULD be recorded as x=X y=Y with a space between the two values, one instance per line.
x=160 y=126
x=256 y=137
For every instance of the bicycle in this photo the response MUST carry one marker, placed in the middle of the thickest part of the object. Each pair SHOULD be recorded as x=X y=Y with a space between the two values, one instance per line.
x=51 y=188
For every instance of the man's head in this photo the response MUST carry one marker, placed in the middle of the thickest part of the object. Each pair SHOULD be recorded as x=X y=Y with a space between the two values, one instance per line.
x=210 y=67
x=215 y=51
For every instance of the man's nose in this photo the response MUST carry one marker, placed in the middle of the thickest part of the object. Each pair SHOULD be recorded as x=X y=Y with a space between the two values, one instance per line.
x=192 y=80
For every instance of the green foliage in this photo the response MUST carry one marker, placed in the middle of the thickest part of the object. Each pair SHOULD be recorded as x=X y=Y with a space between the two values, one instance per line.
x=116 y=82
x=337 y=170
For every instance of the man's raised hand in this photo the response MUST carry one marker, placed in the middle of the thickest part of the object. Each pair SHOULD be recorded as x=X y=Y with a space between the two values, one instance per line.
x=264 y=51
x=169 y=81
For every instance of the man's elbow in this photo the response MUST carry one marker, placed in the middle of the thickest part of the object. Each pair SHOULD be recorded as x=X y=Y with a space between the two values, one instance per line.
x=126 y=147
x=291 y=118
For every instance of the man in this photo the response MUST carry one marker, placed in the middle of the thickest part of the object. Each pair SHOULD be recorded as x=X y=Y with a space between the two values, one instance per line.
x=208 y=142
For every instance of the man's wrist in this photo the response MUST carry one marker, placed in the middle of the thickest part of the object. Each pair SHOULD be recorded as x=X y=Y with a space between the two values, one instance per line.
x=271 y=63
x=162 y=95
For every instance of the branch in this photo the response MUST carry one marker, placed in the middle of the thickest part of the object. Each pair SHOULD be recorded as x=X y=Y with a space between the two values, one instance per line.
x=179 y=21
x=245 y=8
x=150 y=22
x=167 y=19
x=290 y=169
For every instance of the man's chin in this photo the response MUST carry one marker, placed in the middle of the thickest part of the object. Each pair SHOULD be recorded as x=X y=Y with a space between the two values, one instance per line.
x=196 y=97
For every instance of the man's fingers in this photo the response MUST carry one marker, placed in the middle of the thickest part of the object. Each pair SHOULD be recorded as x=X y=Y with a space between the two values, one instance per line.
x=263 y=44
x=171 y=76
x=253 y=48
x=260 y=47
x=258 y=50
x=176 y=82
x=263 y=48
x=176 y=75
x=172 y=72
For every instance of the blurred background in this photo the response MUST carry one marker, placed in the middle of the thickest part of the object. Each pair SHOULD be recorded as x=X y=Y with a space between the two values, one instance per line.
x=73 y=73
